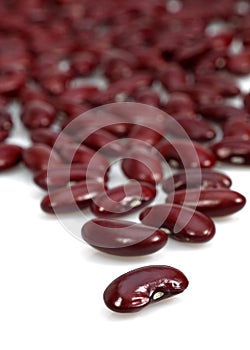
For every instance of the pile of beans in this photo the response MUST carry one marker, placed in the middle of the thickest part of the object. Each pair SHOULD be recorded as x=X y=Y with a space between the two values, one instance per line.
x=113 y=59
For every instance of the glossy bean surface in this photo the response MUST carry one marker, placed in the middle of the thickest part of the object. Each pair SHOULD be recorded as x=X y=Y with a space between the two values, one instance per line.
x=39 y=157
x=212 y=202
x=138 y=288
x=63 y=175
x=142 y=165
x=123 y=200
x=233 y=150
x=124 y=238
x=10 y=155
x=183 y=224
x=186 y=154
x=71 y=199
x=192 y=178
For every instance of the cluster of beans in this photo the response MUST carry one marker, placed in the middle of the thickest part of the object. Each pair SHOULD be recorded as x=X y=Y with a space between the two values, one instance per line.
x=61 y=58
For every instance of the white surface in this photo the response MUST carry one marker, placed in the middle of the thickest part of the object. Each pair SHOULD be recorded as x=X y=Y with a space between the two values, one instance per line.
x=52 y=284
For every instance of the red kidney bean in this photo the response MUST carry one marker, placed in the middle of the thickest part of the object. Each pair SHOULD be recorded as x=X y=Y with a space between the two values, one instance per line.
x=197 y=129
x=71 y=199
x=239 y=63
x=123 y=200
x=202 y=94
x=32 y=92
x=83 y=63
x=173 y=78
x=39 y=157
x=55 y=82
x=183 y=224
x=138 y=288
x=100 y=119
x=38 y=114
x=192 y=178
x=76 y=96
x=235 y=151
x=247 y=102
x=180 y=103
x=10 y=155
x=6 y=123
x=142 y=165
x=186 y=154
x=212 y=202
x=123 y=238
x=221 y=112
x=224 y=84
x=82 y=155
x=238 y=129
x=101 y=139
x=11 y=80
x=222 y=40
x=191 y=50
x=145 y=134
x=50 y=137
x=147 y=96
x=210 y=62
x=59 y=177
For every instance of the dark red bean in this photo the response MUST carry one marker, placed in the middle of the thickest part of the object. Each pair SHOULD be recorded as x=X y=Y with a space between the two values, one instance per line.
x=71 y=199
x=11 y=80
x=123 y=200
x=192 y=50
x=239 y=63
x=84 y=63
x=234 y=151
x=146 y=134
x=82 y=155
x=173 y=78
x=10 y=155
x=191 y=179
x=39 y=157
x=123 y=238
x=59 y=177
x=202 y=94
x=147 y=96
x=212 y=202
x=197 y=129
x=50 y=137
x=101 y=139
x=6 y=123
x=142 y=165
x=247 y=102
x=76 y=96
x=180 y=103
x=238 y=129
x=221 y=112
x=138 y=288
x=184 y=224
x=224 y=84
x=186 y=154
x=38 y=114
x=222 y=40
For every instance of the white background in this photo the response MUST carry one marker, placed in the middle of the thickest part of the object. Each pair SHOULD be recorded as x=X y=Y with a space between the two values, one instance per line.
x=52 y=283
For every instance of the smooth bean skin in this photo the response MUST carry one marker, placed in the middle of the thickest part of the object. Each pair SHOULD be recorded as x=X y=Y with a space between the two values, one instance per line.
x=187 y=154
x=142 y=165
x=59 y=177
x=232 y=150
x=73 y=153
x=39 y=156
x=123 y=238
x=192 y=178
x=197 y=129
x=211 y=202
x=138 y=288
x=123 y=200
x=71 y=199
x=10 y=155
x=184 y=224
